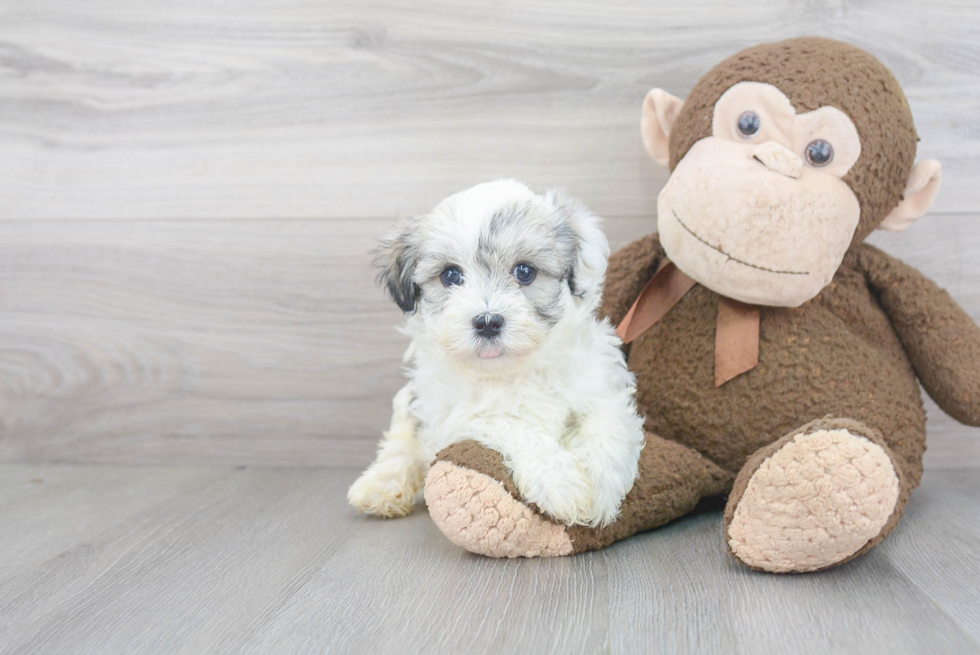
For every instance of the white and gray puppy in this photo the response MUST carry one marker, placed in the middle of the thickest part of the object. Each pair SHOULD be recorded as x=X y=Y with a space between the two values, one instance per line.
x=501 y=288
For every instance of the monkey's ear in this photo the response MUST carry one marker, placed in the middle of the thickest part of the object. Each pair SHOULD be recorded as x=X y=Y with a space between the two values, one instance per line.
x=921 y=190
x=397 y=257
x=660 y=111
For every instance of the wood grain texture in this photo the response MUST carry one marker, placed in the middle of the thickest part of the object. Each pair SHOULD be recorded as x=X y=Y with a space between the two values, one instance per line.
x=196 y=340
x=253 y=341
x=133 y=560
x=189 y=191
x=273 y=108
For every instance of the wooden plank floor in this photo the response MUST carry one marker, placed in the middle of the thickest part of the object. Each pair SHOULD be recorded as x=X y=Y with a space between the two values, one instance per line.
x=100 y=559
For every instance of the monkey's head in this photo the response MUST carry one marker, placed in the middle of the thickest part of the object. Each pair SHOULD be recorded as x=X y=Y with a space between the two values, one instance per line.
x=782 y=158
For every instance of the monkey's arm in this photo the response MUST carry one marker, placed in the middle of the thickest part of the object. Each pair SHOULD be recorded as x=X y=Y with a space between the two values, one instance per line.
x=940 y=338
x=630 y=268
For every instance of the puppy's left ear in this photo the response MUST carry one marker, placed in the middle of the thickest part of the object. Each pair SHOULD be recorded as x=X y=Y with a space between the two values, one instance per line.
x=588 y=270
x=397 y=258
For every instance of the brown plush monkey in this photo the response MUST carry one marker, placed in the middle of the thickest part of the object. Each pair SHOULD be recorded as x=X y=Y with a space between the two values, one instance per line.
x=776 y=354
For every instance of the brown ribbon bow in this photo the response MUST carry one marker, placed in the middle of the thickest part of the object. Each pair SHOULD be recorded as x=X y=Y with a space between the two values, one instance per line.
x=736 y=333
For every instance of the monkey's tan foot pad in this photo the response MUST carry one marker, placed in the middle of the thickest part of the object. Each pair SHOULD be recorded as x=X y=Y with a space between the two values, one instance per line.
x=813 y=499
x=476 y=512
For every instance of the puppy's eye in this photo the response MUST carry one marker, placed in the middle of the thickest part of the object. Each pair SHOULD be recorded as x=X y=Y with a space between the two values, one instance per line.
x=524 y=273
x=451 y=276
x=819 y=153
x=749 y=124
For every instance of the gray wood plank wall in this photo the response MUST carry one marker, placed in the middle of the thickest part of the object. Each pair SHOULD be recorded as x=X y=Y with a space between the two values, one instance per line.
x=189 y=191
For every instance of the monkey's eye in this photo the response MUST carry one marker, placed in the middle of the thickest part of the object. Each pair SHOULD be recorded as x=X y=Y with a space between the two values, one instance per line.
x=451 y=276
x=819 y=153
x=525 y=274
x=749 y=124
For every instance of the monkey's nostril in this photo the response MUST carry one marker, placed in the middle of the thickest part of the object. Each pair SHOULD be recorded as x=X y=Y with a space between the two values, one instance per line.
x=488 y=325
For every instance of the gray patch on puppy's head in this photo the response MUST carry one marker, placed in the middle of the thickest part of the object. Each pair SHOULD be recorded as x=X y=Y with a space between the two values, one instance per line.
x=499 y=235
x=534 y=234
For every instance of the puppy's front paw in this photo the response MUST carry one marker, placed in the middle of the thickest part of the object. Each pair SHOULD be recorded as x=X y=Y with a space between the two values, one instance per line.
x=604 y=508
x=609 y=488
x=559 y=489
x=381 y=493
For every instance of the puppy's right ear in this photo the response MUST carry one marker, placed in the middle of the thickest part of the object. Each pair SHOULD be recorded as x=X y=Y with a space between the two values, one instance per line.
x=397 y=256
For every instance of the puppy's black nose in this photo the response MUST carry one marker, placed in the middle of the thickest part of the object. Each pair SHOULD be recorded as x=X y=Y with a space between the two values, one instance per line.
x=488 y=325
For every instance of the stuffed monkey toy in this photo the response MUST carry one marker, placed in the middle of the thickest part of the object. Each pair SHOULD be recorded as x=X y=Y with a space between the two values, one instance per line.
x=776 y=353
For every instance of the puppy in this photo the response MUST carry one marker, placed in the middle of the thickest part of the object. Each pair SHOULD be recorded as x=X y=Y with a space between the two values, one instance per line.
x=501 y=288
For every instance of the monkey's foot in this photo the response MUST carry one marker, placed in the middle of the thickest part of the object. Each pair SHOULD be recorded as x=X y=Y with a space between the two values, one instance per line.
x=474 y=508
x=475 y=503
x=814 y=499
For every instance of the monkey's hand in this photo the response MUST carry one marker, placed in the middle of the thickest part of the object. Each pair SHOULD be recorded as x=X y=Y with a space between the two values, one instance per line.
x=941 y=339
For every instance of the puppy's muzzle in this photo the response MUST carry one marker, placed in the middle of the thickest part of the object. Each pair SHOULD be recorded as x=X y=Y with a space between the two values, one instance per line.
x=488 y=325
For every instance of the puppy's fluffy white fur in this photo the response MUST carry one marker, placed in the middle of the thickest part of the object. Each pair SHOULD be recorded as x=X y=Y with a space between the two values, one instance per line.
x=550 y=391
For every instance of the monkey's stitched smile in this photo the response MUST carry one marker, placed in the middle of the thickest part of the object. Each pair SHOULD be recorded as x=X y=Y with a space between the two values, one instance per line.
x=734 y=259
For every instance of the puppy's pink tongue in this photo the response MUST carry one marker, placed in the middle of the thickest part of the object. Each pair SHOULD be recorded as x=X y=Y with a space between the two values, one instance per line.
x=489 y=353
